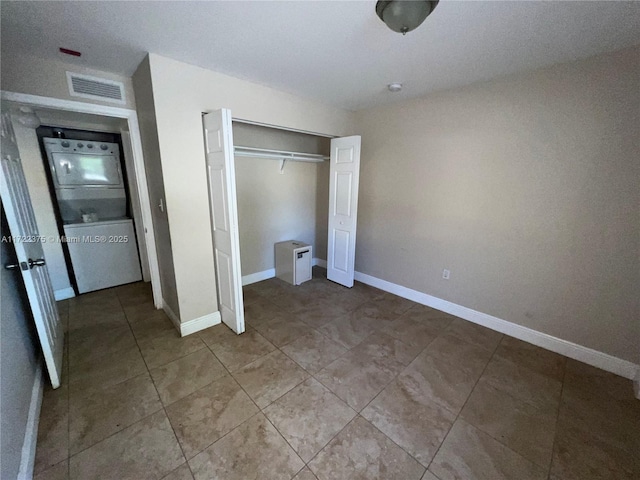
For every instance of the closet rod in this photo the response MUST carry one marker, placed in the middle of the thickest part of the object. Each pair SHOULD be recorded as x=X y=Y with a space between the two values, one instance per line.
x=279 y=154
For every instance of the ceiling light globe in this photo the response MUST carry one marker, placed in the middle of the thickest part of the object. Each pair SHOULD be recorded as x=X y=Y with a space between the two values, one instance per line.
x=402 y=16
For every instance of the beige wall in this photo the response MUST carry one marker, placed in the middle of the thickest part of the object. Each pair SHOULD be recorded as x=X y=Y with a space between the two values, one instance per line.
x=322 y=211
x=20 y=360
x=155 y=184
x=526 y=188
x=181 y=93
x=37 y=76
x=36 y=178
x=274 y=208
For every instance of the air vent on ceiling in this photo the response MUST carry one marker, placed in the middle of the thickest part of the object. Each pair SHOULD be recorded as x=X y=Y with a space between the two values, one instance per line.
x=96 y=88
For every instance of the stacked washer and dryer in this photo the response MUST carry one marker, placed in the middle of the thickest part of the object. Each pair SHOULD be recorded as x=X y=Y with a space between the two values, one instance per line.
x=92 y=200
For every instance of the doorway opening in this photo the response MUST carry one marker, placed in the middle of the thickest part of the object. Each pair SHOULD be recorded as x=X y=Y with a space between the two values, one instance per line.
x=132 y=237
x=19 y=196
x=95 y=203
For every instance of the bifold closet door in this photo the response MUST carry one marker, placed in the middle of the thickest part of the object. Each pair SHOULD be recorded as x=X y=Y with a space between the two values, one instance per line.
x=224 y=216
x=344 y=175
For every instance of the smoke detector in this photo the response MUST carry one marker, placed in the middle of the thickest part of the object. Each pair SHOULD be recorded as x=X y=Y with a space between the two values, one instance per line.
x=394 y=87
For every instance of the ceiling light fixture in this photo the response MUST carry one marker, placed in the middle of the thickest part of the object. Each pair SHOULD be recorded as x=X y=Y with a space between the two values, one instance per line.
x=402 y=16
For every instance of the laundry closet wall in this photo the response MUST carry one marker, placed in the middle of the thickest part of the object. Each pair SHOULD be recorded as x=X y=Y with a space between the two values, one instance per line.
x=38 y=76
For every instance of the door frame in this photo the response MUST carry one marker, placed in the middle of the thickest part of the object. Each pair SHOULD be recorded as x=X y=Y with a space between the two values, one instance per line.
x=131 y=117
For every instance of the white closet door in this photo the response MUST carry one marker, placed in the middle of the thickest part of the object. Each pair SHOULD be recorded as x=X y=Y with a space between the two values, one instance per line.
x=224 y=216
x=343 y=209
x=31 y=263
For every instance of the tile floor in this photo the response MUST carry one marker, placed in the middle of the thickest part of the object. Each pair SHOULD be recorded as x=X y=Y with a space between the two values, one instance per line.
x=327 y=383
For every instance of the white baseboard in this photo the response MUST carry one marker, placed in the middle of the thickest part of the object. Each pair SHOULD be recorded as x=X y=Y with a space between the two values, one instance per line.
x=197 y=324
x=28 y=457
x=270 y=273
x=258 y=276
x=64 y=293
x=319 y=262
x=191 y=326
x=581 y=353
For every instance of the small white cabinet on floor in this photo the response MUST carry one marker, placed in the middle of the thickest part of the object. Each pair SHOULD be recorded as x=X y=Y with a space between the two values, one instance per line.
x=293 y=261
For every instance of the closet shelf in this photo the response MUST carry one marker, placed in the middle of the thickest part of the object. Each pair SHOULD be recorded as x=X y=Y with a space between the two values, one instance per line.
x=279 y=154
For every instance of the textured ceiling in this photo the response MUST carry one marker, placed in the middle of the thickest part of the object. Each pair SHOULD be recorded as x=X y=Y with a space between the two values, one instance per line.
x=337 y=52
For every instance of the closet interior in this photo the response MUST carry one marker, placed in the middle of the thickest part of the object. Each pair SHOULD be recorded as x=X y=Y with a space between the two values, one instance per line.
x=282 y=187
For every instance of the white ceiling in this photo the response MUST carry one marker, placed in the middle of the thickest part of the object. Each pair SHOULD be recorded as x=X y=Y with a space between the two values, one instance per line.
x=337 y=52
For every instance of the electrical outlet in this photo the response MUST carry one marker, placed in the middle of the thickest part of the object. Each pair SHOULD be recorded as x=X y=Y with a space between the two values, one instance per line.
x=446 y=274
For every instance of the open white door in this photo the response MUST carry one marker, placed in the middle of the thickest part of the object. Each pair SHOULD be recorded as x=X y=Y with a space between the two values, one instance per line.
x=343 y=209
x=28 y=246
x=224 y=216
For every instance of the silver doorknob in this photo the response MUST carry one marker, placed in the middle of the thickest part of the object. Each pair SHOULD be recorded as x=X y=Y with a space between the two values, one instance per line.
x=36 y=263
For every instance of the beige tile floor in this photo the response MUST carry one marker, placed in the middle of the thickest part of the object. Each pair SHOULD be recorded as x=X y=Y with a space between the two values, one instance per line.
x=327 y=383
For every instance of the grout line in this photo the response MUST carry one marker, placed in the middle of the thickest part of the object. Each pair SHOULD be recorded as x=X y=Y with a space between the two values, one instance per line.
x=503 y=392
x=396 y=444
x=95 y=390
x=464 y=405
x=308 y=376
x=164 y=409
x=234 y=428
x=148 y=373
x=332 y=438
x=395 y=377
x=115 y=433
x=260 y=410
x=358 y=413
x=284 y=438
x=434 y=475
x=155 y=387
x=230 y=375
x=555 y=433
